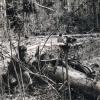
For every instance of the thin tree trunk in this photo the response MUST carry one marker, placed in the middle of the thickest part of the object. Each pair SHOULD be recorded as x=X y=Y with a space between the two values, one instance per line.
x=94 y=14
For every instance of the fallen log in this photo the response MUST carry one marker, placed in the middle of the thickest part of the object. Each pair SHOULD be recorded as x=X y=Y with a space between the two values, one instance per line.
x=77 y=79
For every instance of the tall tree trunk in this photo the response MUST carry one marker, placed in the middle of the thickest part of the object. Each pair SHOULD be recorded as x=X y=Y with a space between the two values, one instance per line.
x=3 y=17
x=94 y=14
x=97 y=14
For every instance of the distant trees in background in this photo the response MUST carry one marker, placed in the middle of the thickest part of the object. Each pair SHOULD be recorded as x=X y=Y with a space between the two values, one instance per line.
x=45 y=16
x=84 y=16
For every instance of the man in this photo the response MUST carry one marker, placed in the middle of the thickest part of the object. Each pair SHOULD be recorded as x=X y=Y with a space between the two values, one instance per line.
x=60 y=39
x=16 y=73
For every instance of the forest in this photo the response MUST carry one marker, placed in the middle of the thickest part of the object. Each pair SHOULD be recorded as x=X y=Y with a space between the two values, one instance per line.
x=46 y=16
x=50 y=49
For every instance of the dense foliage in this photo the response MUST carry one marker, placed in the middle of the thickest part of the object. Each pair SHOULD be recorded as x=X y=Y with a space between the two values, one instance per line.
x=35 y=17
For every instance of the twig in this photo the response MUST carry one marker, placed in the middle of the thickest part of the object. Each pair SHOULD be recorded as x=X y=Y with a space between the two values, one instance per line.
x=44 y=7
x=2 y=92
x=39 y=58
x=61 y=87
x=46 y=41
x=22 y=92
x=11 y=56
x=67 y=68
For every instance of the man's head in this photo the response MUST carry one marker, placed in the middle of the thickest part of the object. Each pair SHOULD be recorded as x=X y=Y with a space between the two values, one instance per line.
x=60 y=34
x=22 y=48
x=70 y=39
x=22 y=51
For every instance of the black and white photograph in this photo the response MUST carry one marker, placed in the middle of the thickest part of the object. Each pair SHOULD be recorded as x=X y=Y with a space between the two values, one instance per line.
x=49 y=49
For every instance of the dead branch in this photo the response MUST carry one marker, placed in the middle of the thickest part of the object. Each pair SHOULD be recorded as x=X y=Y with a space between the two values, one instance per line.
x=44 y=6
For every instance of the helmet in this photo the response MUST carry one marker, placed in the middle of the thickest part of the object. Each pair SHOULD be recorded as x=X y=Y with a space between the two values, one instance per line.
x=22 y=48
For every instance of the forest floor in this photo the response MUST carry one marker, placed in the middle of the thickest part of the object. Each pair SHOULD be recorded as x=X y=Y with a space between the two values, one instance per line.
x=88 y=53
